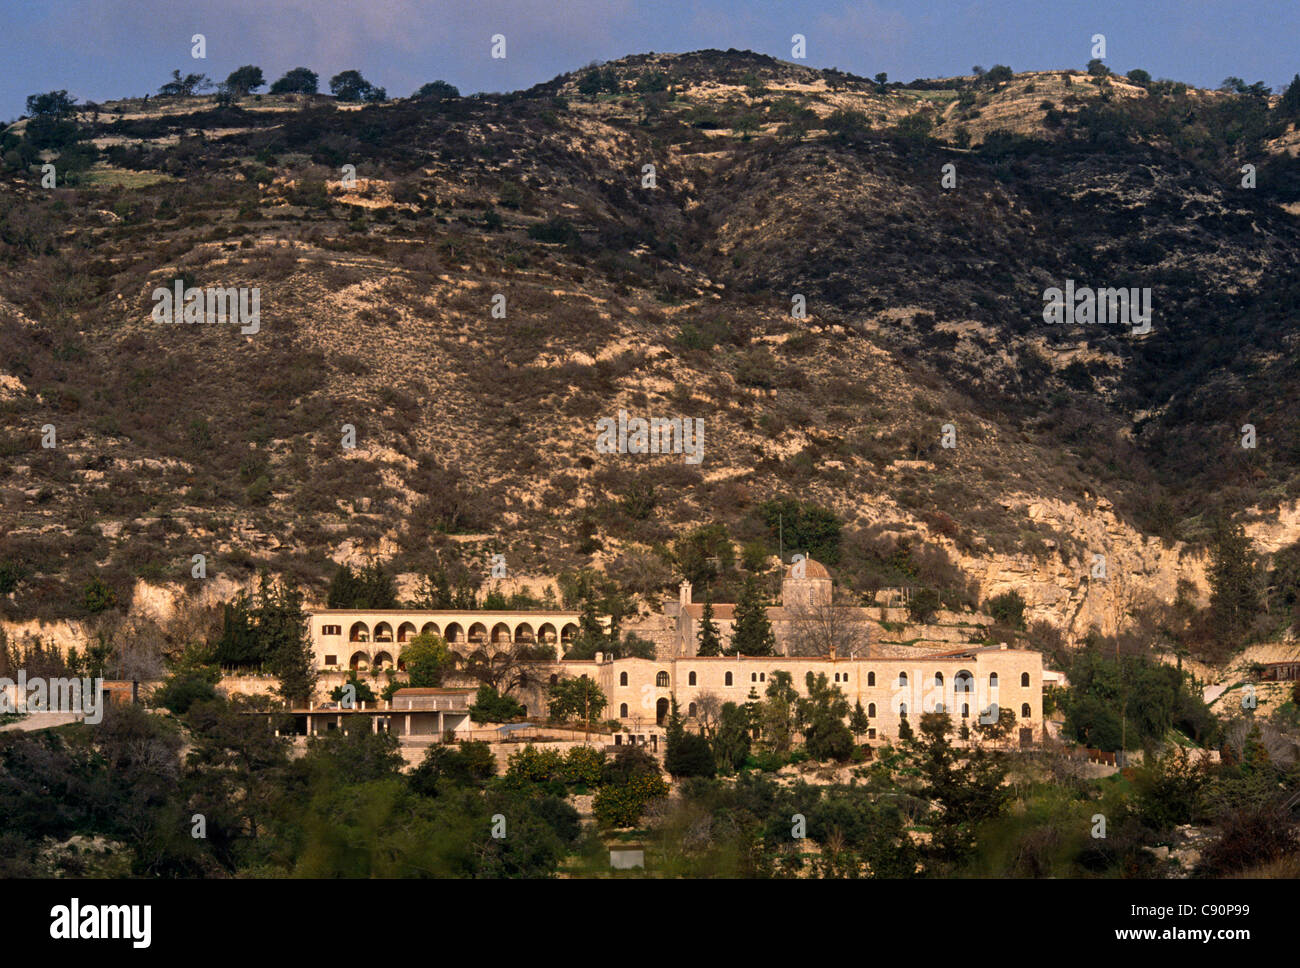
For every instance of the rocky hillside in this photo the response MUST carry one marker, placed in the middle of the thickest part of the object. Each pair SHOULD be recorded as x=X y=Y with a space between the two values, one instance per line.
x=666 y=292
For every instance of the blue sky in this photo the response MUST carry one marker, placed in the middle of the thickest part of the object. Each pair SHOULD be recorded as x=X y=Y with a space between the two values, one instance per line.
x=103 y=49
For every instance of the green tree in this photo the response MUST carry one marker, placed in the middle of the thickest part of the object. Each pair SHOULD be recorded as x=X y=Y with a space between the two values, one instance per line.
x=621 y=805
x=52 y=104
x=731 y=744
x=427 y=659
x=300 y=80
x=351 y=86
x=579 y=699
x=435 y=91
x=360 y=692
x=491 y=707
x=751 y=632
x=1290 y=104
x=858 y=721
x=244 y=80
x=1234 y=593
x=778 y=711
x=823 y=711
x=1008 y=609
x=686 y=754
x=966 y=787
x=186 y=86
x=710 y=641
x=922 y=605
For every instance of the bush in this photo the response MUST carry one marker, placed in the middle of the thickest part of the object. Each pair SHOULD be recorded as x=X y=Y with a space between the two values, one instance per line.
x=621 y=805
x=1008 y=609
x=922 y=605
x=98 y=597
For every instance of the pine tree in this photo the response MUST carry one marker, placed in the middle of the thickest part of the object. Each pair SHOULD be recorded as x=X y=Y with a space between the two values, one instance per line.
x=753 y=710
x=858 y=722
x=904 y=729
x=1290 y=106
x=1234 y=595
x=752 y=632
x=710 y=642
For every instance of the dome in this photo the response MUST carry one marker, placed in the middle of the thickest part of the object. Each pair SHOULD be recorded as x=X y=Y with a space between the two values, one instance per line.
x=811 y=569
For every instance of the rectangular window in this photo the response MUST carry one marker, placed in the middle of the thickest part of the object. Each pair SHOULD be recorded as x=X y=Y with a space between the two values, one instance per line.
x=331 y=630
x=331 y=660
x=871 y=734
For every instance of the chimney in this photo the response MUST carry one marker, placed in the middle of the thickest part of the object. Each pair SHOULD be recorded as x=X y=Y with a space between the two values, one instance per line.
x=686 y=593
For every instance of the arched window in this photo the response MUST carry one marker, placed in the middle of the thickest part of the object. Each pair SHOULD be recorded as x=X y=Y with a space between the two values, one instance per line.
x=993 y=680
x=964 y=682
x=1024 y=710
x=622 y=711
x=871 y=709
x=691 y=679
x=690 y=710
x=938 y=678
x=965 y=710
x=902 y=678
x=940 y=708
x=837 y=677
x=1024 y=679
x=902 y=710
x=622 y=678
x=728 y=679
x=661 y=680
x=753 y=677
x=871 y=678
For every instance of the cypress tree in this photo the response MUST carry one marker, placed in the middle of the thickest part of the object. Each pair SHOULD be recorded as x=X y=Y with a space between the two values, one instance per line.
x=710 y=642
x=752 y=632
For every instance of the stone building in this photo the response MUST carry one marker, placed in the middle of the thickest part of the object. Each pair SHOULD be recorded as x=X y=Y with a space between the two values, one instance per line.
x=812 y=634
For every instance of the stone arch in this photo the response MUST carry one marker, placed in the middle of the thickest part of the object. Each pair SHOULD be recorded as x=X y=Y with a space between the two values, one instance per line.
x=383 y=632
x=454 y=633
x=405 y=631
x=501 y=634
x=360 y=632
x=524 y=634
x=359 y=662
x=383 y=660
x=963 y=681
x=477 y=632
x=546 y=633
x=430 y=628
x=568 y=632
x=661 y=711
